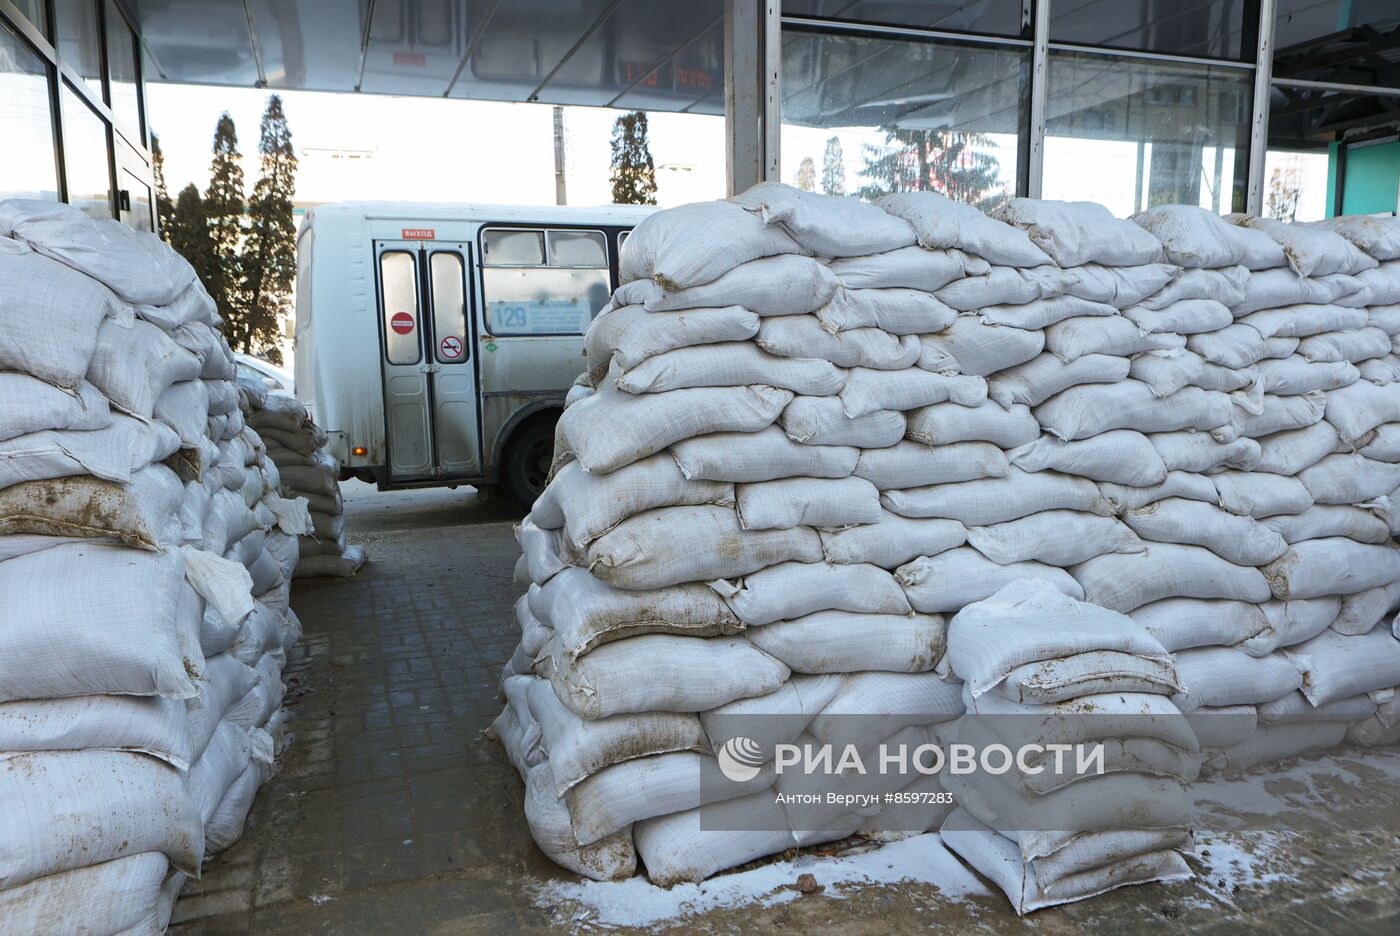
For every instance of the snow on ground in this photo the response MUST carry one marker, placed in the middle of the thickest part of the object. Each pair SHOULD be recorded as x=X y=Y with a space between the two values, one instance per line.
x=636 y=902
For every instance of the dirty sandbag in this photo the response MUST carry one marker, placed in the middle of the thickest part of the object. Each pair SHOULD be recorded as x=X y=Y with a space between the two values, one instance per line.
x=1311 y=251
x=52 y=318
x=544 y=551
x=690 y=846
x=1378 y=236
x=1335 y=666
x=811 y=502
x=28 y=404
x=1238 y=539
x=840 y=642
x=1303 y=321
x=677 y=248
x=794 y=589
x=1216 y=676
x=1125 y=581
x=136 y=512
x=148 y=725
x=892 y=541
x=609 y=858
x=127 y=890
x=347 y=563
x=940 y=222
x=1332 y=566
x=1295 y=375
x=1074 y=233
x=1291 y=622
x=787 y=284
x=827 y=225
x=957 y=578
x=1193 y=236
x=631 y=334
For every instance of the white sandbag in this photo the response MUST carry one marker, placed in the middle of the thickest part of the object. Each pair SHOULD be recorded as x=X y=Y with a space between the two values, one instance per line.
x=1279 y=742
x=802 y=336
x=52 y=317
x=1258 y=494
x=827 y=225
x=1311 y=251
x=663 y=673
x=578 y=748
x=1383 y=370
x=1038 y=380
x=840 y=642
x=1335 y=666
x=1345 y=347
x=184 y=407
x=1384 y=445
x=154 y=726
x=677 y=248
x=1291 y=622
x=1184 y=623
x=589 y=505
x=1227 y=285
x=610 y=858
x=969 y=346
x=867 y=391
x=1091 y=673
x=584 y=612
x=946 y=423
x=1262 y=252
x=1119 y=456
x=1272 y=289
x=28 y=404
x=672 y=545
x=225 y=586
x=1124 y=581
x=1192 y=236
x=1200 y=452
x=898 y=699
x=226 y=695
x=1042 y=313
x=906 y=268
x=1216 y=676
x=1238 y=539
x=787 y=284
x=533 y=633
x=67 y=809
x=996 y=500
x=1184 y=317
x=913 y=464
x=611 y=429
x=118 y=896
x=1332 y=566
x=137 y=513
x=956 y=578
x=612 y=799
x=794 y=589
x=897 y=311
x=1054 y=537
x=940 y=222
x=690 y=846
x=545 y=551
x=111 y=453
x=134 y=366
x=1115 y=335
x=892 y=541
x=1377 y=235
x=1385 y=317
x=1303 y=321
x=731 y=364
x=760 y=456
x=145 y=646
x=1073 y=233
x=1349 y=479
x=1357 y=409
x=1362 y=611
x=1084 y=411
x=1007 y=286
x=1287 y=453
x=1298 y=375
x=822 y=421
x=1122 y=287
x=810 y=502
x=1239 y=346
x=631 y=334
x=1323 y=520
x=225 y=826
x=1121 y=498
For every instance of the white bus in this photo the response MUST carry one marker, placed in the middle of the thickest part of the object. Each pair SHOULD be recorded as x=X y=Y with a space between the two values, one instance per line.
x=436 y=343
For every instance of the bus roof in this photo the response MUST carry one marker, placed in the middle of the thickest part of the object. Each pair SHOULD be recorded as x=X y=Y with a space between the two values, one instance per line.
x=625 y=215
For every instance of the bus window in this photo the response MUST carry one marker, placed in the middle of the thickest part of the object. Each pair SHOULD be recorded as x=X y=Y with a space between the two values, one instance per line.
x=399 y=281
x=512 y=248
x=555 y=298
x=449 y=308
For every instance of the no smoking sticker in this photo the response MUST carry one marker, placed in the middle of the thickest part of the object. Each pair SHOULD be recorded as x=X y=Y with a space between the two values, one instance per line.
x=451 y=347
x=401 y=323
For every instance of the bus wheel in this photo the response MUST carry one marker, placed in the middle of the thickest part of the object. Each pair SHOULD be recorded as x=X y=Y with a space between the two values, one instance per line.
x=525 y=467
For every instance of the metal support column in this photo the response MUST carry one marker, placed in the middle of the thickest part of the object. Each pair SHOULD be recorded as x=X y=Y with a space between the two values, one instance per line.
x=753 y=55
x=1040 y=55
x=1259 y=127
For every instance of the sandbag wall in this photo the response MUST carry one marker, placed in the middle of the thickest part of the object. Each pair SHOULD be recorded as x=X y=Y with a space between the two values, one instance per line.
x=145 y=568
x=297 y=446
x=819 y=428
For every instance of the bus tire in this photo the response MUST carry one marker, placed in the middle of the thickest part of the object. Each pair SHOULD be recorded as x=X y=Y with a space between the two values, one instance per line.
x=525 y=465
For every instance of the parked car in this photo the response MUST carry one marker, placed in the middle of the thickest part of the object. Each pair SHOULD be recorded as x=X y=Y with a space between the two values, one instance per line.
x=278 y=380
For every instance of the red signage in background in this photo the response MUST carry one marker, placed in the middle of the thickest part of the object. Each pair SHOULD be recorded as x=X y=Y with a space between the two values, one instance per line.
x=419 y=234
x=401 y=323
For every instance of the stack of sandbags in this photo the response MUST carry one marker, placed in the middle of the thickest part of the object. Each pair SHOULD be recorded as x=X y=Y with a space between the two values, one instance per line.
x=1040 y=669
x=140 y=686
x=818 y=426
x=297 y=446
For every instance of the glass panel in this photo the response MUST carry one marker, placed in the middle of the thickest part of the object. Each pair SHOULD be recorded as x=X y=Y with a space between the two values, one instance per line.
x=121 y=65
x=36 y=11
x=578 y=249
x=880 y=115
x=1295 y=184
x=88 y=161
x=398 y=276
x=1130 y=134
x=997 y=17
x=1298 y=21
x=27 y=167
x=1205 y=28
x=542 y=302
x=139 y=214
x=449 y=308
x=504 y=247
x=78 y=40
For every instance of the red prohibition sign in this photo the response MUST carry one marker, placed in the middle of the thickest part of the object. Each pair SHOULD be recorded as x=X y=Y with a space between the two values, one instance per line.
x=451 y=347
x=401 y=323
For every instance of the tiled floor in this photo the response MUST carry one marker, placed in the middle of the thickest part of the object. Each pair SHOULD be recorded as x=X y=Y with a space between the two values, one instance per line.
x=392 y=814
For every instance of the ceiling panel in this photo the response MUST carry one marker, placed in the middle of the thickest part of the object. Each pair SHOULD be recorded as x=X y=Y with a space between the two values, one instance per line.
x=312 y=44
x=200 y=41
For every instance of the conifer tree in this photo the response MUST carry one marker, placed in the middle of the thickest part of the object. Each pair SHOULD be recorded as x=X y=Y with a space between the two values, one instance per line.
x=270 y=249
x=223 y=207
x=942 y=161
x=806 y=180
x=165 y=208
x=633 y=172
x=188 y=231
x=833 y=168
